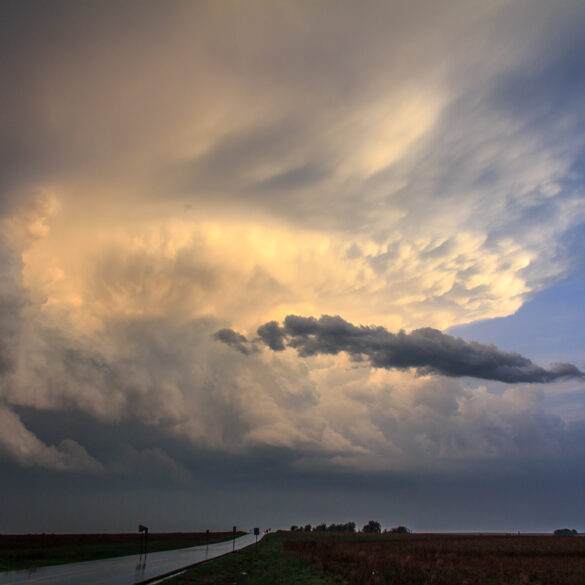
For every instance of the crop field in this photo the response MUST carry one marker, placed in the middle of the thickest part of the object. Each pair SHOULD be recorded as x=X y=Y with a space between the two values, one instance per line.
x=442 y=559
x=23 y=551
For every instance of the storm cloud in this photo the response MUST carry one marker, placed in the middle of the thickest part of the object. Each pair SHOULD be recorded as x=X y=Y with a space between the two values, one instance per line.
x=173 y=169
x=427 y=350
x=235 y=340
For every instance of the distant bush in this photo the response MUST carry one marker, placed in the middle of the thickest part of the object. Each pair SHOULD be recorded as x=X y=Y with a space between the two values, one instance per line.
x=347 y=527
x=399 y=530
x=372 y=527
x=565 y=532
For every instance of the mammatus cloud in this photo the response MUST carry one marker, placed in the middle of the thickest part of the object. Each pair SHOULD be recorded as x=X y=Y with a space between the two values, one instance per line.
x=427 y=350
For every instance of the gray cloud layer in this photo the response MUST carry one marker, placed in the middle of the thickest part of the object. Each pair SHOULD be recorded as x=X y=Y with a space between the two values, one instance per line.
x=427 y=350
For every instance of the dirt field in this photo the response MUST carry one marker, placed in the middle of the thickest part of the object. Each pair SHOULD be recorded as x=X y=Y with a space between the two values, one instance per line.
x=443 y=559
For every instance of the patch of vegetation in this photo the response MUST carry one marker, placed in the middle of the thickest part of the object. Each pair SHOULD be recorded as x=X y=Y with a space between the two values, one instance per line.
x=347 y=527
x=265 y=564
x=25 y=551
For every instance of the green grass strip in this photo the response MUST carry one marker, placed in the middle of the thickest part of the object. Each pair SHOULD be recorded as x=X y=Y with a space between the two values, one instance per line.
x=265 y=564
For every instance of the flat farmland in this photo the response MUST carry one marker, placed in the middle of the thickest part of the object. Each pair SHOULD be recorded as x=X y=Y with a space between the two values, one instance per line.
x=442 y=559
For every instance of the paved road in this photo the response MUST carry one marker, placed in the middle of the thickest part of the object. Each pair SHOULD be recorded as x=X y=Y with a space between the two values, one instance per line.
x=121 y=570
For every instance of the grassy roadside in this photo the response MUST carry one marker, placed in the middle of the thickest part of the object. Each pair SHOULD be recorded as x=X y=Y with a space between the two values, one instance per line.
x=26 y=551
x=265 y=565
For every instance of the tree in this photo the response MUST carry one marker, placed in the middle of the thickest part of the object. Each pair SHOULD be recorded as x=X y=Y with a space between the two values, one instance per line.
x=372 y=527
x=308 y=528
x=294 y=528
x=565 y=532
x=400 y=530
x=321 y=527
x=347 y=527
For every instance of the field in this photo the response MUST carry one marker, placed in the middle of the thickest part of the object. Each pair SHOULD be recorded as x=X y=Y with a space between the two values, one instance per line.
x=24 y=551
x=313 y=558
x=445 y=559
x=438 y=559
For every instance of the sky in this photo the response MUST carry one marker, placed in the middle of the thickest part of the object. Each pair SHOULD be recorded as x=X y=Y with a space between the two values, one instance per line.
x=271 y=263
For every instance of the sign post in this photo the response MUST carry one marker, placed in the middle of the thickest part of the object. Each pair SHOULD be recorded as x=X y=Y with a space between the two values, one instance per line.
x=143 y=538
x=234 y=542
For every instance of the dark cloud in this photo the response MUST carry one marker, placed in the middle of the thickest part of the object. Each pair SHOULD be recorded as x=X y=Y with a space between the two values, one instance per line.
x=272 y=335
x=148 y=463
x=235 y=340
x=427 y=350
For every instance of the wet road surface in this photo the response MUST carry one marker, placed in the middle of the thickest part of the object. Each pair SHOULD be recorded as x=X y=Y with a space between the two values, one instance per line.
x=121 y=570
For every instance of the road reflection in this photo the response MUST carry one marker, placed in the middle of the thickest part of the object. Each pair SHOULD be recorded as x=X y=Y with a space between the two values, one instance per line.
x=121 y=570
x=140 y=570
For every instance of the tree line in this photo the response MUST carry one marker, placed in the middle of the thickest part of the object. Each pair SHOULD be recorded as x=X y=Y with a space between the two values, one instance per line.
x=371 y=527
